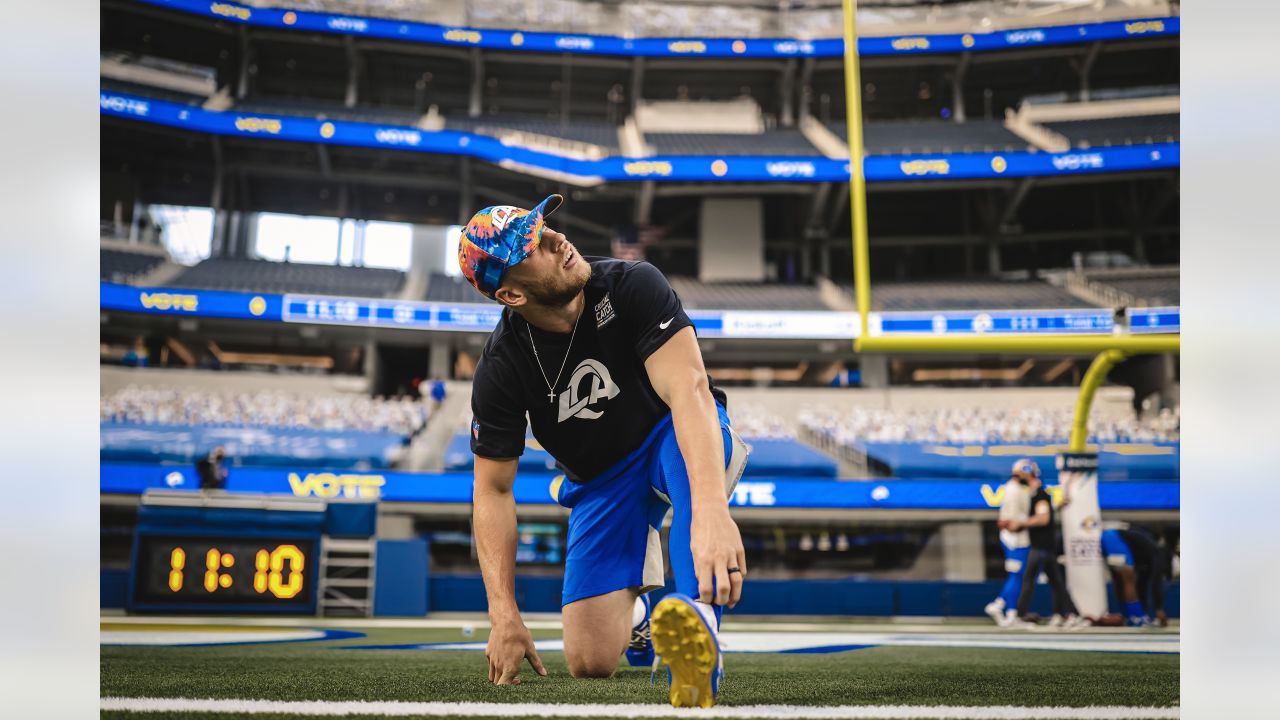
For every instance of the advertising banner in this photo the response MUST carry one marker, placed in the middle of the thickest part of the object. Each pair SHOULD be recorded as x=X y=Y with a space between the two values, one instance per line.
x=1082 y=532
x=534 y=488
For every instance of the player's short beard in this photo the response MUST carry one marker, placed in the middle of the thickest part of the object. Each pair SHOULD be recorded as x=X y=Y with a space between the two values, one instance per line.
x=558 y=292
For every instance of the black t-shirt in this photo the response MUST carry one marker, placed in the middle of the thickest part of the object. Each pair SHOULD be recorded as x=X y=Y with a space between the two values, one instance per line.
x=1146 y=552
x=212 y=475
x=1042 y=535
x=603 y=405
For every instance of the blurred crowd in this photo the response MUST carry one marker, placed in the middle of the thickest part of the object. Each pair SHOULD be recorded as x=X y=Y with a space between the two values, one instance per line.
x=263 y=409
x=847 y=426
x=751 y=421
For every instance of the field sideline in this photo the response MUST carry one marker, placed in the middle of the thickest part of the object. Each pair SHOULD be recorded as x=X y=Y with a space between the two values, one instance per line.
x=306 y=667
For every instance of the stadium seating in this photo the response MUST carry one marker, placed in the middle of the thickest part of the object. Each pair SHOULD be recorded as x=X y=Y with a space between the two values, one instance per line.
x=770 y=142
x=981 y=425
x=132 y=88
x=1150 y=286
x=264 y=276
x=451 y=289
x=983 y=442
x=157 y=76
x=1106 y=132
x=894 y=138
x=188 y=406
x=770 y=457
x=167 y=424
x=120 y=266
x=318 y=110
x=641 y=18
x=970 y=295
x=259 y=447
x=1154 y=291
x=592 y=132
x=746 y=296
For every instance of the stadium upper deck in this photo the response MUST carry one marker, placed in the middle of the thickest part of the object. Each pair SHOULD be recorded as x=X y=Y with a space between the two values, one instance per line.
x=335 y=119
x=622 y=27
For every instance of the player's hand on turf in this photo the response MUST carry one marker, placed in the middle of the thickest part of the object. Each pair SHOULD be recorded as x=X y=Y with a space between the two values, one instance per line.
x=717 y=546
x=509 y=645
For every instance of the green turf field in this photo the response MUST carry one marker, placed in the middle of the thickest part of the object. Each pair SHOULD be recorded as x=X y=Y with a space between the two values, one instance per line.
x=926 y=676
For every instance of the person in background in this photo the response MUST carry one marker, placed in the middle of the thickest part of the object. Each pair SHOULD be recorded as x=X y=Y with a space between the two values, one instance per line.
x=212 y=471
x=1139 y=567
x=137 y=356
x=1042 y=557
x=437 y=393
x=1015 y=505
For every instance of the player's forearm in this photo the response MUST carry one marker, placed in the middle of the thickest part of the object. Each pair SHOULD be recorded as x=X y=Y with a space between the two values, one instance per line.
x=697 y=425
x=494 y=522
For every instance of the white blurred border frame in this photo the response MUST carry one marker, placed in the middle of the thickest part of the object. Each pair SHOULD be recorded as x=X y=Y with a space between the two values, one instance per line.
x=48 y=290
x=1230 y=351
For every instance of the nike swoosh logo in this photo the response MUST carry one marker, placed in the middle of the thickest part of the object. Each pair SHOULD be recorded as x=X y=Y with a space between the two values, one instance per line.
x=663 y=326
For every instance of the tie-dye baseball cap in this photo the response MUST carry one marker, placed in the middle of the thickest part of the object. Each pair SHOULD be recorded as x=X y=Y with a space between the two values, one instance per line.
x=500 y=237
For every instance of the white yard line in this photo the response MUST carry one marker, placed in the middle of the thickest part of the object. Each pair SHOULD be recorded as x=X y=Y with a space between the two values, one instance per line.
x=542 y=621
x=480 y=709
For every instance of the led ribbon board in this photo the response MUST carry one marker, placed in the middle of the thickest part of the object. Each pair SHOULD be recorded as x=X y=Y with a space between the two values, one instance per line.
x=719 y=47
x=460 y=317
x=658 y=168
x=483 y=317
x=533 y=488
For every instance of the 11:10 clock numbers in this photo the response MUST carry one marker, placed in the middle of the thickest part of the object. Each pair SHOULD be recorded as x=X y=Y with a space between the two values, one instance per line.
x=269 y=570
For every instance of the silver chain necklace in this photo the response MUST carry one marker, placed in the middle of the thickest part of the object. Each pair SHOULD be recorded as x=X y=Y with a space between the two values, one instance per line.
x=551 y=392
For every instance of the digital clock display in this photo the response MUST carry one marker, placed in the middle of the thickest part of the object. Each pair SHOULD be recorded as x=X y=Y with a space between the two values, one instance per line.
x=248 y=572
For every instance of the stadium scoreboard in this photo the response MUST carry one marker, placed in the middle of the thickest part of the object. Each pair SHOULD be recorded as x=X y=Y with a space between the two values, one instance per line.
x=247 y=573
x=202 y=552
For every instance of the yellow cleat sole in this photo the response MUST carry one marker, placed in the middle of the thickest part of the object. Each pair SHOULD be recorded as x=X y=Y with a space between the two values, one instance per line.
x=685 y=645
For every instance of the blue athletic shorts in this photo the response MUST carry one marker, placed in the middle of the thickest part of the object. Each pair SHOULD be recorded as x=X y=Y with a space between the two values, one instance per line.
x=1015 y=559
x=1116 y=550
x=614 y=540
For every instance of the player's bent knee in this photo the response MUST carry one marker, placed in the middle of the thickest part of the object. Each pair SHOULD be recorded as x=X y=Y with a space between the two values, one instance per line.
x=592 y=666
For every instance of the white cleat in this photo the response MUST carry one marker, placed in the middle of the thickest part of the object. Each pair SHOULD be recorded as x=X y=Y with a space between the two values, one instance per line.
x=1075 y=622
x=995 y=610
x=1013 y=622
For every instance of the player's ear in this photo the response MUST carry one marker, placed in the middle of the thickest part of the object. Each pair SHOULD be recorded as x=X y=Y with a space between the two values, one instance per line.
x=510 y=296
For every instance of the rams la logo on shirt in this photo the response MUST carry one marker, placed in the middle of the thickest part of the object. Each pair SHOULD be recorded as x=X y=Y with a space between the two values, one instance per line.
x=600 y=387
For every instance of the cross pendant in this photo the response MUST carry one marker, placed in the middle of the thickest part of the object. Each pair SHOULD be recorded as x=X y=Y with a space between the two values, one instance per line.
x=551 y=397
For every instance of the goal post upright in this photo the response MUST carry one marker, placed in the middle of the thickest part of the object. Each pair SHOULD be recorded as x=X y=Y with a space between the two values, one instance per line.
x=857 y=177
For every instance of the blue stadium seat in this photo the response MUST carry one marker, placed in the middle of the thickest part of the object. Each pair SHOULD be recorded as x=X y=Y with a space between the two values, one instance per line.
x=119 y=266
x=264 y=276
x=1106 y=132
x=970 y=295
x=594 y=132
x=785 y=142
x=911 y=137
